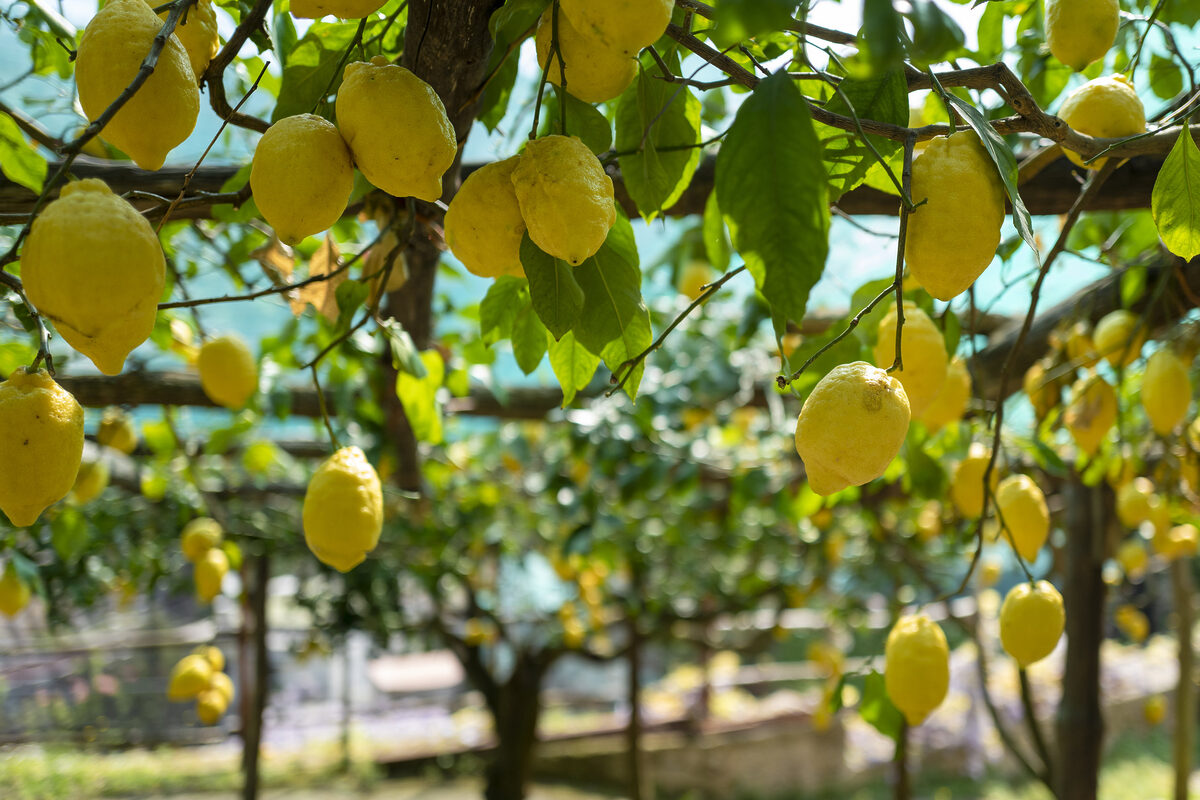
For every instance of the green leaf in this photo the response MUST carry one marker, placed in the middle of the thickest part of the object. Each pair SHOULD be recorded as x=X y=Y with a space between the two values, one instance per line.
x=772 y=188
x=877 y=708
x=744 y=19
x=658 y=124
x=514 y=18
x=951 y=331
x=418 y=396
x=350 y=296
x=494 y=103
x=19 y=160
x=883 y=98
x=283 y=37
x=716 y=239
x=528 y=339
x=583 y=120
x=556 y=295
x=935 y=34
x=1175 y=200
x=880 y=36
x=1006 y=164
x=503 y=301
x=404 y=351
x=313 y=66
x=1166 y=78
x=1133 y=285
x=573 y=365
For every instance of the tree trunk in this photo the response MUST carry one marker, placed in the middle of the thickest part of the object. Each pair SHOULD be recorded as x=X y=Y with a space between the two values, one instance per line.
x=640 y=785
x=1080 y=722
x=258 y=689
x=1185 y=692
x=902 y=790
x=515 y=711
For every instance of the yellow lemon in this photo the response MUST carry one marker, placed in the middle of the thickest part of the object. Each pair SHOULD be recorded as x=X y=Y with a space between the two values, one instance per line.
x=1107 y=108
x=93 y=265
x=1154 y=709
x=223 y=684
x=622 y=25
x=1079 y=32
x=566 y=198
x=950 y=403
x=301 y=176
x=1132 y=622
x=342 y=9
x=1091 y=413
x=923 y=350
x=851 y=427
x=210 y=705
x=197 y=32
x=917 y=671
x=90 y=481
x=190 y=676
x=1177 y=542
x=163 y=111
x=483 y=224
x=595 y=72
x=1022 y=506
x=116 y=431
x=397 y=129
x=966 y=488
x=228 y=372
x=343 y=510
x=692 y=279
x=1044 y=392
x=953 y=236
x=1134 y=501
x=209 y=573
x=214 y=655
x=989 y=573
x=1031 y=621
x=1132 y=557
x=1080 y=347
x=198 y=537
x=1166 y=391
x=1118 y=337
x=41 y=437
x=14 y=592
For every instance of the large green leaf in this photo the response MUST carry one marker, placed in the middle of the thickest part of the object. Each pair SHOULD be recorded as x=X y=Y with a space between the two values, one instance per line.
x=658 y=124
x=935 y=35
x=583 y=120
x=772 y=188
x=883 y=98
x=573 y=364
x=528 y=339
x=504 y=300
x=716 y=239
x=312 y=66
x=556 y=295
x=877 y=708
x=1175 y=200
x=418 y=396
x=19 y=161
x=881 y=34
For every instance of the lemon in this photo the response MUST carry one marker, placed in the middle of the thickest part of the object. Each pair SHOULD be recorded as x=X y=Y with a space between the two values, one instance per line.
x=622 y=25
x=1044 y=393
x=1118 y=337
x=595 y=72
x=214 y=656
x=950 y=403
x=198 y=537
x=1166 y=391
x=923 y=350
x=41 y=437
x=301 y=176
x=929 y=520
x=1031 y=621
x=565 y=197
x=259 y=457
x=209 y=573
x=1079 y=32
x=1177 y=542
x=1080 y=347
x=989 y=573
x=163 y=111
x=90 y=481
x=1132 y=557
x=397 y=129
x=917 y=671
x=483 y=224
x=692 y=279
x=116 y=431
x=953 y=236
x=343 y=510
x=228 y=372
x=222 y=684
x=1092 y=412
x=210 y=705
x=1154 y=710
x=1107 y=108
x=342 y=9
x=1122 y=469
x=93 y=265
x=1132 y=622
x=1022 y=506
x=14 y=592
x=1134 y=501
x=189 y=677
x=966 y=488
x=197 y=32
x=851 y=427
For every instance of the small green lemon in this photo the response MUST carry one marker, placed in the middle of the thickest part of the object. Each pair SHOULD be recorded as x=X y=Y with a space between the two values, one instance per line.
x=228 y=372
x=343 y=510
x=1031 y=621
x=917 y=669
x=483 y=224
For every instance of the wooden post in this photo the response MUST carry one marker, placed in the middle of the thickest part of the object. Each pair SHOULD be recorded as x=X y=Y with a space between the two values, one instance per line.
x=252 y=725
x=1185 y=692
x=640 y=785
x=903 y=786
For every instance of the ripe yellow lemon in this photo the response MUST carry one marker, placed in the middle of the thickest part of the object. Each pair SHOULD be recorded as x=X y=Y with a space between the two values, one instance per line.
x=950 y=403
x=93 y=265
x=189 y=677
x=1044 y=393
x=483 y=224
x=1166 y=391
x=41 y=437
x=1118 y=337
x=224 y=684
x=14 y=592
x=954 y=235
x=214 y=656
x=1025 y=516
x=1031 y=621
x=565 y=197
x=851 y=427
x=342 y=9
x=622 y=25
x=1107 y=108
x=595 y=72
x=1080 y=347
x=692 y=279
x=197 y=32
x=1155 y=710
x=163 y=111
x=917 y=671
x=1079 y=32
x=966 y=488
x=90 y=481
x=301 y=176
x=210 y=705
x=228 y=372
x=397 y=129
x=1092 y=412
x=924 y=353
x=1132 y=622
x=198 y=537
x=1177 y=542
x=209 y=573
x=343 y=510
x=116 y=431
x=1132 y=557
x=1134 y=501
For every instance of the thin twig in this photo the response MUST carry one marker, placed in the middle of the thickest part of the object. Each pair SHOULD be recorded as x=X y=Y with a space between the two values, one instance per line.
x=333 y=439
x=783 y=381
x=1035 y=727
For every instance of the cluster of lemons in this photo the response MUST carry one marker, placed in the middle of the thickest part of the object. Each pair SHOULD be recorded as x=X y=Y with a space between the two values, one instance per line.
x=201 y=544
x=200 y=677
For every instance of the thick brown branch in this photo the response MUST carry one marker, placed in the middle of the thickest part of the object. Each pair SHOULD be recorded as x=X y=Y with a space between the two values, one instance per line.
x=214 y=75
